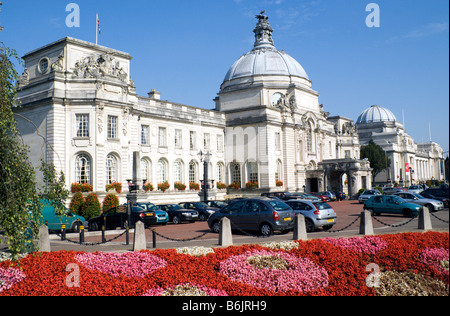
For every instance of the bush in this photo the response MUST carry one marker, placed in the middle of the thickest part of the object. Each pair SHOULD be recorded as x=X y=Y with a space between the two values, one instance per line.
x=110 y=201
x=91 y=207
x=76 y=204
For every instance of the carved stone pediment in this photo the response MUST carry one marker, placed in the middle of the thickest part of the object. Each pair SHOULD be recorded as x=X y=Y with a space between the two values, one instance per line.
x=100 y=67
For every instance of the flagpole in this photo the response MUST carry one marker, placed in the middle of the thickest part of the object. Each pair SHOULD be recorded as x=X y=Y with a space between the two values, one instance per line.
x=96 y=30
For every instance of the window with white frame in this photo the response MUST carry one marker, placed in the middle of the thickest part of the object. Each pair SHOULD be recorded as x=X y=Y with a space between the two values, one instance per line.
x=178 y=171
x=112 y=169
x=252 y=171
x=113 y=124
x=220 y=172
x=309 y=137
x=162 y=171
x=278 y=141
x=83 y=169
x=162 y=137
x=145 y=135
x=193 y=140
x=82 y=125
x=193 y=171
x=178 y=139
x=206 y=141
x=220 y=143
x=235 y=172
x=146 y=170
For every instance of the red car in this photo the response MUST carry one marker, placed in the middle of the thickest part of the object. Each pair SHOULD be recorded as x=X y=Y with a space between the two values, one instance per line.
x=324 y=198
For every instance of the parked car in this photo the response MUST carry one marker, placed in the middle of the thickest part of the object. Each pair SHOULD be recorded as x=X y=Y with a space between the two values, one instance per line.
x=284 y=196
x=317 y=214
x=391 y=190
x=161 y=216
x=259 y=214
x=437 y=194
x=54 y=222
x=177 y=214
x=367 y=195
x=433 y=205
x=391 y=204
x=330 y=194
x=340 y=196
x=204 y=211
x=118 y=217
x=415 y=189
x=218 y=204
x=306 y=196
x=324 y=198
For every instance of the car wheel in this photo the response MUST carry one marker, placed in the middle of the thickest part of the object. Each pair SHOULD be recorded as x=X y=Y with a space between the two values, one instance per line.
x=202 y=217
x=371 y=211
x=93 y=227
x=176 y=220
x=76 y=227
x=430 y=207
x=265 y=230
x=407 y=213
x=215 y=228
x=310 y=227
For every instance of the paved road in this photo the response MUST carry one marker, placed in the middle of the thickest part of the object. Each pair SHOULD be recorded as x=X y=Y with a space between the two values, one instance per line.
x=347 y=211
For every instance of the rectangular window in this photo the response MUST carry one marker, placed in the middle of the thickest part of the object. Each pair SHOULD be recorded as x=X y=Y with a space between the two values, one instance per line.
x=220 y=143
x=162 y=137
x=348 y=154
x=206 y=141
x=145 y=135
x=192 y=140
x=82 y=125
x=178 y=139
x=277 y=141
x=113 y=124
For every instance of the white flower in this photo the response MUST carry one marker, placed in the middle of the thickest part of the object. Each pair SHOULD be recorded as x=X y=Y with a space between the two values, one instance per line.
x=195 y=251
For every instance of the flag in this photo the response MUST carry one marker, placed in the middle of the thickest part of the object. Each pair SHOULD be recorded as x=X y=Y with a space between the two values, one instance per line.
x=98 y=24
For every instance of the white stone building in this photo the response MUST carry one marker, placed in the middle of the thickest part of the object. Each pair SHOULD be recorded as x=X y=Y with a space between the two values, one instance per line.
x=411 y=163
x=79 y=110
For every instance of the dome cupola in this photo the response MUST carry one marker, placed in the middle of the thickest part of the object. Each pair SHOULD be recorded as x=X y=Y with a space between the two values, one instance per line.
x=376 y=114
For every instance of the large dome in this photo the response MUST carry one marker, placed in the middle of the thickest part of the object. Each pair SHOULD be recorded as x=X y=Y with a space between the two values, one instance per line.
x=265 y=59
x=375 y=114
x=265 y=62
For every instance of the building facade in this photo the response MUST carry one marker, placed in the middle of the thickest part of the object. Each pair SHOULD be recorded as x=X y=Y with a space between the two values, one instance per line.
x=80 y=111
x=411 y=162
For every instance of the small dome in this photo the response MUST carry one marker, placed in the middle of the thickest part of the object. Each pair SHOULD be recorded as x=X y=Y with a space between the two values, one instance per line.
x=376 y=113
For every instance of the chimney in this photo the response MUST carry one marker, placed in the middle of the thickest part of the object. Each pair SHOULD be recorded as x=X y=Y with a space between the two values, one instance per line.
x=154 y=95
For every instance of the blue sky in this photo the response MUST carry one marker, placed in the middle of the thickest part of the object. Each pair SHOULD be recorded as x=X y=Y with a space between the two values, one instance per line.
x=184 y=48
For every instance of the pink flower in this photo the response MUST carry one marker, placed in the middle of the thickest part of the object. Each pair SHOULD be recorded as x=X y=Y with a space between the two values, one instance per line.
x=370 y=245
x=299 y=274
x=130 y=264
x=436 y=258
x=9 y=277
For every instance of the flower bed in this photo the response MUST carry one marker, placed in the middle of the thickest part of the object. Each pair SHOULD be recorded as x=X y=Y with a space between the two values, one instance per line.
x=410 y=264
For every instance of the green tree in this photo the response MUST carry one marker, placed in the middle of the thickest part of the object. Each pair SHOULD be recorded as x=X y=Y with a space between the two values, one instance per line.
x=20 y=207
x=377 y=157
x=55 y=188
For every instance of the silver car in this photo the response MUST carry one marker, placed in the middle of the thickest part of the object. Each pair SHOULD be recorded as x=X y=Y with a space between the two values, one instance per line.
x=317 y=214
x=433 y=205
x=367 y=195
x=415 y=189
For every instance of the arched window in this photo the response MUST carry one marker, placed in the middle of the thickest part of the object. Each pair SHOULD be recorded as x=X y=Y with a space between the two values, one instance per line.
x=279 y=171
x=309 y=137
x=162 y=171
x=193 y=167
x=83 y=169
x=178 y=171
x=252 y=170
x=146 y=170
x=220 y=172
x=235 y=169
x=112 y=169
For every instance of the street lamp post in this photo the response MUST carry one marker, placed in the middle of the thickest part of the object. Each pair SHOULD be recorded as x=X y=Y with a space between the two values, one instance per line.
x=205 y=158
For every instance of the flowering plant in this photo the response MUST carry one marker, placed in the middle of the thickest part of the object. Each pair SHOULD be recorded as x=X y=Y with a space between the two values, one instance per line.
x=148 y=187
x=116 y=186
x=164 y=186
x=179 y=186
x=251 y=185
x=221 y=186
x=194 y=186
x=235 y=185
x=279 y=183
x=410 y=264
x=81 y=187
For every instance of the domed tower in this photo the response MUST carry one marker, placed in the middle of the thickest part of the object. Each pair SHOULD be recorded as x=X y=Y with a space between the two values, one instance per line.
x=275 y=125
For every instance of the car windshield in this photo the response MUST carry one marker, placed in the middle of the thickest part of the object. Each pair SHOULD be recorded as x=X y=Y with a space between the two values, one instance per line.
x=174 y=207
x=398 y=199
x=322 y=205
x=279 y=206
x=369 y=192
x=149 y=207
x=200 y=204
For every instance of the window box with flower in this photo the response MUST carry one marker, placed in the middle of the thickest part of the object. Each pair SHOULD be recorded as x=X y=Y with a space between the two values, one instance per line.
x=194 y=186
x=179 y=186
x=114 y=186
x=164 y=186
